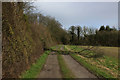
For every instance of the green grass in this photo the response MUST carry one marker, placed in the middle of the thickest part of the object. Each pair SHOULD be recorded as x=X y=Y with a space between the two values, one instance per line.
x=35 y=68
x=94 y=69
x=74 y=48
x=66 y=73
x=108 y=51
x=104 y=66
x=85 y=53
x=56 y=47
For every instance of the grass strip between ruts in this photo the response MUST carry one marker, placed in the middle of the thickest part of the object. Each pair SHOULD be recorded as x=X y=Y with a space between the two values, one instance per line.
x=66 y=73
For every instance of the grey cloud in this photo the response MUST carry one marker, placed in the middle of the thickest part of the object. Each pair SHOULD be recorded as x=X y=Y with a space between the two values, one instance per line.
x=81 y=13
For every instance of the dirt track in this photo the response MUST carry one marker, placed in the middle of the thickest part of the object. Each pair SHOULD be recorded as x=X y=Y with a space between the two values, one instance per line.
x=51 y=68
x=78 y=70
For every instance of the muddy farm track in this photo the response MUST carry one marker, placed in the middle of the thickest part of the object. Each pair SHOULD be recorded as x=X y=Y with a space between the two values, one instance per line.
x=51 y=68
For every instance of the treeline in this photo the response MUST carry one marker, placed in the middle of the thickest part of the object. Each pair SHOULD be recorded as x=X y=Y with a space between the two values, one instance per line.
x=24 y=36
x=54 y=27
x=105 y=36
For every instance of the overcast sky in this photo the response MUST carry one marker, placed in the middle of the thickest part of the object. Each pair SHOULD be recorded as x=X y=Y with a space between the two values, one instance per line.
x=91 y=14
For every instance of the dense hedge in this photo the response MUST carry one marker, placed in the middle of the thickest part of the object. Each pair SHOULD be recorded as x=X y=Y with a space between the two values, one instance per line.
x=24 y=38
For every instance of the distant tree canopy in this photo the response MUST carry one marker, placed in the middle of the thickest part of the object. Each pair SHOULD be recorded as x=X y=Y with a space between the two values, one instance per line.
x=72 y=32
x=78 y=32
x=107 y=28
x=26 y=34
x=105 y=36
x=102 y=28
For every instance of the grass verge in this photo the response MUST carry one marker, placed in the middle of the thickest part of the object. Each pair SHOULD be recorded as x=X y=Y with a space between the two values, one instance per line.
x=104 y=66
x=94 y=69
x=35 y=68
x=66 y=73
